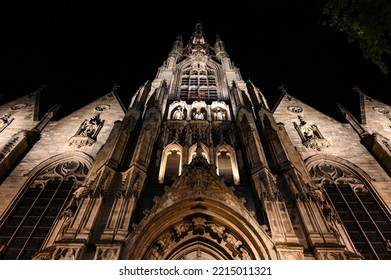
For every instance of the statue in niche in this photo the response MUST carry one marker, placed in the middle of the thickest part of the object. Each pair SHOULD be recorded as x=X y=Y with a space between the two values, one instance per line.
x=198 y=115
x=178 y=113
x=89 y=127
x=309 y=130
x=219 y=114
x=310 y=135
x=88 y=130
x=5 y=120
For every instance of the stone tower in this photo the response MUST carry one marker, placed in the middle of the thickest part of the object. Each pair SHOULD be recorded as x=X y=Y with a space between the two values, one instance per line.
x=196 y=167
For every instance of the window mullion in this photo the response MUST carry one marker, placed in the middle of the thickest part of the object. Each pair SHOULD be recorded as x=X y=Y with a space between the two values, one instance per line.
x=355 y=217
x=39 y=220
x=23 y=219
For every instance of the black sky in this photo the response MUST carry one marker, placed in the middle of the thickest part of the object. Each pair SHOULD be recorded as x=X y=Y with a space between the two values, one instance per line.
x=81 y=50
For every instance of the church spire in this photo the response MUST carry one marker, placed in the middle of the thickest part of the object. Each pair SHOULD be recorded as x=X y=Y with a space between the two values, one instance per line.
x=198 y=35
x=198 y=43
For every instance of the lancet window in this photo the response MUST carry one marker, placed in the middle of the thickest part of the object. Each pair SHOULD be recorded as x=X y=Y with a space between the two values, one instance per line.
x=198 y=82
x=26 y=228
x=367 y=223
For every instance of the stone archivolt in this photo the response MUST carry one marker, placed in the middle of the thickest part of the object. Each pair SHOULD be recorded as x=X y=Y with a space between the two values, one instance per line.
x=183 y=223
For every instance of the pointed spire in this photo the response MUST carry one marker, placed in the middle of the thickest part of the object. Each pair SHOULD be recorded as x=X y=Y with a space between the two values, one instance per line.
x=353 y=122
x=283 y=90
x=115 y=88
x=198 y=35
x=198 y=44
x=220 y=50
x=343 y=110
x=362 y=104
x=219 y=45
x=177 y=46
x=46 y=118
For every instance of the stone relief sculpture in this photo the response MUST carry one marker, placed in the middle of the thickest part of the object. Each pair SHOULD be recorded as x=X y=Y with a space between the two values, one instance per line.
x=219 y=114
x=89 y=127
x=198 y=114
x=310 y=135
x=87 y=132
x=178 y=113
x=5 y=120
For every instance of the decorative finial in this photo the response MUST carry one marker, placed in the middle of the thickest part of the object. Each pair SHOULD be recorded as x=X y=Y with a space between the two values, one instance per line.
x=115 y=88
x=199 y=149
x=342 y=109
x=283 y=90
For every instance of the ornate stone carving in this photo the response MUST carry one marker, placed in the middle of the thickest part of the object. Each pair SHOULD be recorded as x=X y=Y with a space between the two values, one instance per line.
x=67 y=253
x=324 y=171
x=219 y=230
x=198 y=114
x=381 y=110
x=232 y=241
x=5 y=120
x=219 y=114
x=102 y=107
x=295 y=109
x=87 y=132
x=200 y=226
x=310 y=135
x=7 y=148
x=110 y=253
x=179 y=113
x=76 y=169
x=45 y=254
x=182 y=228
x=18 y=106
x=165 y=240
x=199 y=223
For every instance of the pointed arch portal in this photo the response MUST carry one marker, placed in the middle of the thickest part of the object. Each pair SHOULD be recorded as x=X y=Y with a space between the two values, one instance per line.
x=199 y=228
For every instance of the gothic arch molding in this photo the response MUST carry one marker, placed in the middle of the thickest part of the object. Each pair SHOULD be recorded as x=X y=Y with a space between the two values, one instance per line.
x=359 y=214
x=213 y=65
x=55 y=160
x=38 y=205
x=233 y=160
x=163 y=163
x=342 y=163
x=48 y=164
x=204 y=223
x=198 y=249
x=192 y=152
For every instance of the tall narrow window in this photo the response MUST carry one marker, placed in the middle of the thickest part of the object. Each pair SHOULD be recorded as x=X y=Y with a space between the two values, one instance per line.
x=225 y=166
x=198 y=82
x=26 y=229
x=172 y=165
x=367 y=223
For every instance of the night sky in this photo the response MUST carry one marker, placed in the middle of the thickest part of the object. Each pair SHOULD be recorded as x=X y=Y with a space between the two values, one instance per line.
x=80 y=51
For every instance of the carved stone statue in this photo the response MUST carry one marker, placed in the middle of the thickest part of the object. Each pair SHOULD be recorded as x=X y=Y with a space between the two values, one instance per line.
x=89 y=127
x=178 y=113
x=310 y=135
x=5 y=120
x=87 y=133
x=198 y=115
x=219 y=114
x=309 y=130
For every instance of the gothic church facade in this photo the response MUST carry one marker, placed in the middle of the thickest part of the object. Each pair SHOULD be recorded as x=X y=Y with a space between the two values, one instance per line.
x=197 y=166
